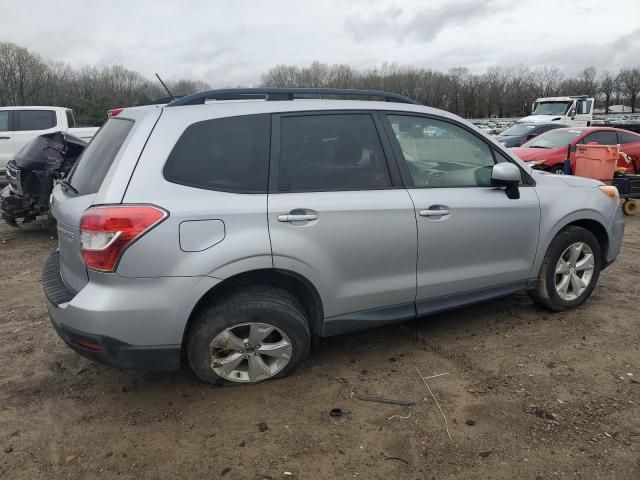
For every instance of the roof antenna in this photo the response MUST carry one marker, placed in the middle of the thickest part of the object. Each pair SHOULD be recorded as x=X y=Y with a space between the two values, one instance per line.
x=166 y=88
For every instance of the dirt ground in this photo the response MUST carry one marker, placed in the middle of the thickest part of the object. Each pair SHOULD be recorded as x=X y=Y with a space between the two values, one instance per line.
x=528 y=394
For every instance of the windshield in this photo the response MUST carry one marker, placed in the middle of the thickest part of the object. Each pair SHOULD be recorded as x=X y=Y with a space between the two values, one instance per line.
x=552 y=108
x=518 y=131
x=554 y=139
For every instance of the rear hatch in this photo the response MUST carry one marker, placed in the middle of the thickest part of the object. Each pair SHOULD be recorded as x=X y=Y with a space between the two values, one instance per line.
x=69 y=203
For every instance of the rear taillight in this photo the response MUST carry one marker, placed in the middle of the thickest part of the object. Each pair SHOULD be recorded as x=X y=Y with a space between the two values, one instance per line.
x=107 y=231
x=114 y=112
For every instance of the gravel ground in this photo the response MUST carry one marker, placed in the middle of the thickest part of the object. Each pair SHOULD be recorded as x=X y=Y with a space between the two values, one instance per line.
x=528 y=394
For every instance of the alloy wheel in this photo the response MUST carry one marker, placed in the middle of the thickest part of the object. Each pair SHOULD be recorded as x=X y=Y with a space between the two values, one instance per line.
x=249 y=352
x=574 y=271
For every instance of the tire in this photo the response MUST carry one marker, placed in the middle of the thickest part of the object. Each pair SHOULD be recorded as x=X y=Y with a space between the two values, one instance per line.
x=546 y=293
x=230 y=323
x=10 y=220
x=557 y=169
x=52 y=225
x=630 y=206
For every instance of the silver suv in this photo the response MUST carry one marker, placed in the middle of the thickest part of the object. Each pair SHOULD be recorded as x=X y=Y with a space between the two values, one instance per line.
x=227 y=229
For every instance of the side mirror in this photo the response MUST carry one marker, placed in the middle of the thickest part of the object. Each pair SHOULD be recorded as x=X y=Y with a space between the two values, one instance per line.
x=507 y=175
x=533 y=135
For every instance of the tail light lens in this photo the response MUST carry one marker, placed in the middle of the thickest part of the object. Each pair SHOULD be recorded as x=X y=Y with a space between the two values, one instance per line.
x=114 y=112
x=107 y=231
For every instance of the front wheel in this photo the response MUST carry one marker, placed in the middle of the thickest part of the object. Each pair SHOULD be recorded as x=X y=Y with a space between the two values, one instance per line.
x=557 y=169
x=253 y=335
x=570 y=270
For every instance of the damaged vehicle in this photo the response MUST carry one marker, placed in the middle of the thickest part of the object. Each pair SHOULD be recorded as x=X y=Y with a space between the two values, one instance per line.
x=32 y=174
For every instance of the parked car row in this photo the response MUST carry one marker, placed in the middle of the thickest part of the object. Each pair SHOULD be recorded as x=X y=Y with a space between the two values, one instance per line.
x=549 y=150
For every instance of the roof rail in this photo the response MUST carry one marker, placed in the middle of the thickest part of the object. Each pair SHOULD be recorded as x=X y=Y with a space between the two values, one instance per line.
x=283 y=94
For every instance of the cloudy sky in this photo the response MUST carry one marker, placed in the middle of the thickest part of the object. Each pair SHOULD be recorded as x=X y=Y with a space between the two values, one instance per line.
x=232 y=42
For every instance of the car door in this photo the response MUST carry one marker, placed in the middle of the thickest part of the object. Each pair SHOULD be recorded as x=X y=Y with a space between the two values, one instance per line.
x=6 y=139
x=28 y=124
x=583 y=112
x=339 y=217
x=629 y=144
x=473 y=241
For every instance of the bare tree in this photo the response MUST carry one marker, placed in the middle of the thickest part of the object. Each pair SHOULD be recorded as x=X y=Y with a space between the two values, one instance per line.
x=630 y=83
x=608 y=86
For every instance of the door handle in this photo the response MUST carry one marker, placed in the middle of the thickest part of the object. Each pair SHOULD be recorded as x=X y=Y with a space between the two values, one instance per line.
x=434 y=212
x=5 y=138
x=297 y=218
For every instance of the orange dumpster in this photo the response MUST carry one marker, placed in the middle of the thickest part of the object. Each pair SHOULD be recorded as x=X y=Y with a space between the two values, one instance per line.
x=596 y=161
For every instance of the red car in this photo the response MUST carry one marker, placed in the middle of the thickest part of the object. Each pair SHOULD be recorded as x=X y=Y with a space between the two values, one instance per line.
x=549 y=150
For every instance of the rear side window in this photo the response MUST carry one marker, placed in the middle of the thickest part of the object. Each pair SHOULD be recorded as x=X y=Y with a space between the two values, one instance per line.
x=602 y=137
x=71 y=122
x=95 y=161
x=626 y=137
x=4 y=121
x=226 y=154
x=331 y=152
x=36 y=119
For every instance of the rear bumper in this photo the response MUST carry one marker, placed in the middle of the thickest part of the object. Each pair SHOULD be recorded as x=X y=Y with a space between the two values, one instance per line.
x=87 y=321
x=114 y=353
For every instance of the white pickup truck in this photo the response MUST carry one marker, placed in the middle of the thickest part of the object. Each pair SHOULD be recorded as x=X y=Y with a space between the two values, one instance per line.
x=20 y=125
x=575 y=111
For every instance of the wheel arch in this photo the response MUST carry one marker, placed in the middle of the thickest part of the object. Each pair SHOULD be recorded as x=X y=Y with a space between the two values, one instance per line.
x=290 y=281
x=598 y=230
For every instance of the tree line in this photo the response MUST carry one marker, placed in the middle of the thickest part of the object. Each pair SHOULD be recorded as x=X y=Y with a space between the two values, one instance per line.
x=28 y=79
x=503 y=91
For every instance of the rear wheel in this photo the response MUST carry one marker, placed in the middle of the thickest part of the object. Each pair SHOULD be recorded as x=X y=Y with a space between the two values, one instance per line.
x=630 y=206
x=570 y=270
x=250 y=336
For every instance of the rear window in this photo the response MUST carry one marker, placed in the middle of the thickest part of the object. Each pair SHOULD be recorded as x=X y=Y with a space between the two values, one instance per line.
x=71 y=122
x=95 y=161
x=518 y=131
x=36 y=119
x=227 y=154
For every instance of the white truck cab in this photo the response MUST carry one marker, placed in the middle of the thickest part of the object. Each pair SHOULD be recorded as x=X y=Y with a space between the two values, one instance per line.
x=20 y=125
x=575 y=111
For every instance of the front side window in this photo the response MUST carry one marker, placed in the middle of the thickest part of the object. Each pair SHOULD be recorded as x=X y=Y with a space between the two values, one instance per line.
x=4 y=121
x=226 y=154
x=331 y=152
x=455 y=158
x=603 y=137
x=36 y=119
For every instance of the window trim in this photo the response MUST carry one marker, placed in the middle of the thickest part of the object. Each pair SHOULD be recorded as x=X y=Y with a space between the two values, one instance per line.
x=527 y=180
x=16 y=119
x=274 y=164
x=263 y=191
